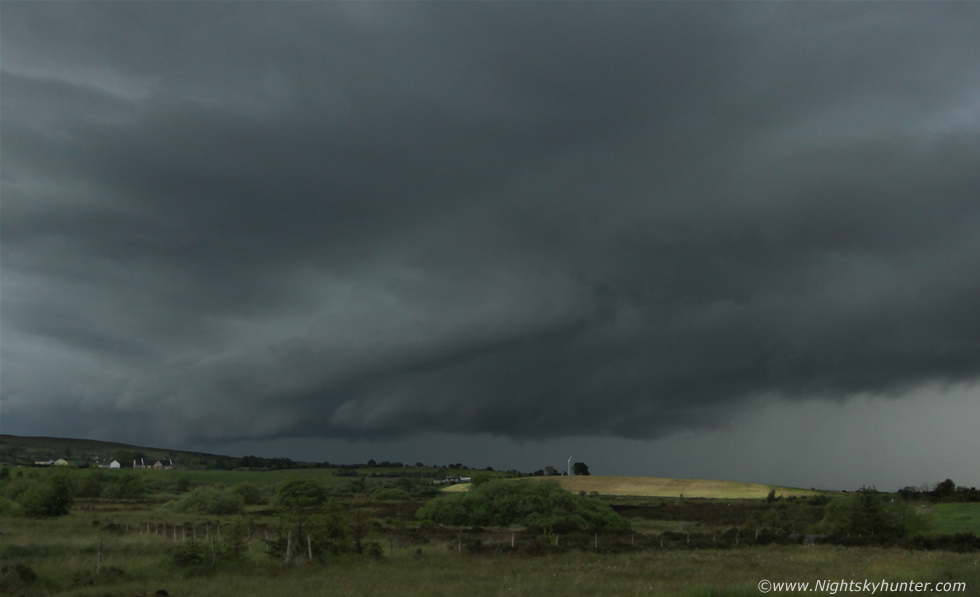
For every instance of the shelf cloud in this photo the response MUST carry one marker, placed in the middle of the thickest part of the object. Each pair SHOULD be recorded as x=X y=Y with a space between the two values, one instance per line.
x=527 y=221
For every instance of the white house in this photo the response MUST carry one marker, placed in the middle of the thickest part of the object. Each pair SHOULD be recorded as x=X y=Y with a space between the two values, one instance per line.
x=114 y=464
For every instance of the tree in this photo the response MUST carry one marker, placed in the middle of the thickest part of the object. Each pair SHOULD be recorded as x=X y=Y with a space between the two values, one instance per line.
x=580 y=469
x=124 y=458
x=944 y=490
x=865 y=514
x=479 y=479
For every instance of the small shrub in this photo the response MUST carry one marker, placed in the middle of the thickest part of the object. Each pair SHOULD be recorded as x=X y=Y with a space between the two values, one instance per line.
x=382 y=495
x=191 y=553
x=15 y=577
x=124 y=487
x=210 y=499
x=10 y=508
x=251 y=494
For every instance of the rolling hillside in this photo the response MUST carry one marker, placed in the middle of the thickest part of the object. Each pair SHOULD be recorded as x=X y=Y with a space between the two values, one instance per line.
x=17 y=450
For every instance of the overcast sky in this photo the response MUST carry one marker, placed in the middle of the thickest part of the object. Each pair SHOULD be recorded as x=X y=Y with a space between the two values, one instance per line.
x=725 y=240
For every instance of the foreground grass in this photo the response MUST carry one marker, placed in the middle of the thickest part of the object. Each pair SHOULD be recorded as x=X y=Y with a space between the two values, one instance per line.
x=63 y=553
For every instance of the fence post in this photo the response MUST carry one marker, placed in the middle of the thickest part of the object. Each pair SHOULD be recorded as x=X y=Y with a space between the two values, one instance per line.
x=98 y=558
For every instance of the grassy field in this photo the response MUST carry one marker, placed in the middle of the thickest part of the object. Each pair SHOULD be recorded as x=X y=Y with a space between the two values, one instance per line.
x=948 y=519
x=686 y=547
x=663 y=487
x=63 y=553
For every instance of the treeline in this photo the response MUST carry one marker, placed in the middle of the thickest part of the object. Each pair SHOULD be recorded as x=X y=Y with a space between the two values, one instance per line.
x=943 y=492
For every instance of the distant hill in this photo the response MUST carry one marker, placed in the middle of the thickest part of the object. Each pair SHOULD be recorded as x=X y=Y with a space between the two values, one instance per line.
x=665 y=487
x=16 y=450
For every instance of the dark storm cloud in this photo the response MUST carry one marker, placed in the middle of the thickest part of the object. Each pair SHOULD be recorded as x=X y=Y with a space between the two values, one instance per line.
x=531 y=220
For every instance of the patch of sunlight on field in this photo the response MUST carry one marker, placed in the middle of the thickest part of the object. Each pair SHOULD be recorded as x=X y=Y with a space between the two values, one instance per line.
x=663 y=487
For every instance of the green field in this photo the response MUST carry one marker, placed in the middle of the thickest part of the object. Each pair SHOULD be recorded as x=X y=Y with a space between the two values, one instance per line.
x=948 y=519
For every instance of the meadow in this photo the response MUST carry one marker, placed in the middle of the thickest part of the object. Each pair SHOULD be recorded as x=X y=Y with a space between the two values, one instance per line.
x=694 y=547
x=65 y=554
x=949 y=519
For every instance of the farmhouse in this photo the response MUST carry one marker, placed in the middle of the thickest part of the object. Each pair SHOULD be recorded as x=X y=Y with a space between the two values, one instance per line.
x=59 y=462
x=164 y=464
x=452 y=480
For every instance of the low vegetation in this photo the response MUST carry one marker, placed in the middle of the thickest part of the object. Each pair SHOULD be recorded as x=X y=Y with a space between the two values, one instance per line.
x=525 y=503
x=378 y=530
x=210 y=499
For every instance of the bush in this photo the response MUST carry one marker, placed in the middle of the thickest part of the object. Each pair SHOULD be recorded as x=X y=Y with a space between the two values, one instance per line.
x=210 y=500
x=382 y=495
x=250 y=493
x=16 y=488
x=865 y=514
x=10 y=508
x=539 y=504
x=300 y=495
x=90 y=485
x=15 y=577
x=52 y=497
x=124 y=487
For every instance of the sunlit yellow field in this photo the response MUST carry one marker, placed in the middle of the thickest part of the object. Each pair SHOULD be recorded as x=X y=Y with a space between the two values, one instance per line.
x=664 y=487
